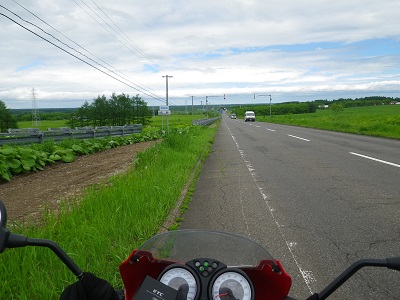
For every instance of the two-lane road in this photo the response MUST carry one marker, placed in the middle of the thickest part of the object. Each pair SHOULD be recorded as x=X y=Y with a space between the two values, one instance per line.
x=317 y=200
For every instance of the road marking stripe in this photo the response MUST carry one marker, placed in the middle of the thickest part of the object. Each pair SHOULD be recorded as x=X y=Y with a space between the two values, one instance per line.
x=270 y=129
x=376 y=159
x=297 y=137
x=308 y=276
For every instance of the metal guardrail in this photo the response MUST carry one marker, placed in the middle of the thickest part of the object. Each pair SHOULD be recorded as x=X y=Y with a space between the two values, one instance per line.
x=34 y=135
x=205 y=122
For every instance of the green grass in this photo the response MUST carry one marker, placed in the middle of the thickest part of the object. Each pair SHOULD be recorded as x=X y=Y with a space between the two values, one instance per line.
x=382 y=121
x=110 y=220
x=173 y=120
x=43 y=124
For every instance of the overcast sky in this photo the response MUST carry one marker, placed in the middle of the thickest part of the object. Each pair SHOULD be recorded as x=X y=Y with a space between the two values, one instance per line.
x=71 y=51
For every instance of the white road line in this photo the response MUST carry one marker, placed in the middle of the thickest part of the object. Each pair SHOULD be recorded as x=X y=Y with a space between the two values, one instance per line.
x=258 y=126
x=270 y=129
x=296 y=137
x=376 y=159
x=308 y=276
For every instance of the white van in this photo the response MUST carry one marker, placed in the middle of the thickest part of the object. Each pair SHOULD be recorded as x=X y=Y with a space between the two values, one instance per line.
x=249 y=116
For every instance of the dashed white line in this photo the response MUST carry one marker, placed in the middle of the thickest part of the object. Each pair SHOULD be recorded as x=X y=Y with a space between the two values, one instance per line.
x=270 y=129
x=308 y=276
x=376 y=159
x=297 y=137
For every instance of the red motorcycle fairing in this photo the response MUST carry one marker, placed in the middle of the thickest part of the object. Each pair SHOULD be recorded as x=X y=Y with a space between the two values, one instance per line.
x=268 y=283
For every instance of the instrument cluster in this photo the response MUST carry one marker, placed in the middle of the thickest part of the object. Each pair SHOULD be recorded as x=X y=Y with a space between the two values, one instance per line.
x=208 y=279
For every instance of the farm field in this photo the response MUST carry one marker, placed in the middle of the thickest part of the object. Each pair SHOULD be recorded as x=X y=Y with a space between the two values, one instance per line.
x=155 y=121
x=382 y=121
x=175 y=119
x=72 y=202
x=43 y=124
x=26 y=196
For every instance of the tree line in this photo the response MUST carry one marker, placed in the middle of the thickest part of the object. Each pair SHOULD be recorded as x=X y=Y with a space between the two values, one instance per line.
x=365 y=101
x=278 y=109
x=115 y=111
x=286 y=108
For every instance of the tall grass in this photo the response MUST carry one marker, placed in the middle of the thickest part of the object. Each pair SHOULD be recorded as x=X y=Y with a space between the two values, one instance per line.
x=382 y=121
x=100 y=229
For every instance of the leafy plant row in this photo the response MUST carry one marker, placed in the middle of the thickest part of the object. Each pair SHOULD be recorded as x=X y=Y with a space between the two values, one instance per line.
x=24 y=159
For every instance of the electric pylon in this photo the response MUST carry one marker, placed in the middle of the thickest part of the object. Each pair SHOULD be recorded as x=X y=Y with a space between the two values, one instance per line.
x=35 y=115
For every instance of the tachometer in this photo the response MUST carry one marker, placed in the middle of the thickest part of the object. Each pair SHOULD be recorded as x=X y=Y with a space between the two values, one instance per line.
x=182 y=280
x=232 y=284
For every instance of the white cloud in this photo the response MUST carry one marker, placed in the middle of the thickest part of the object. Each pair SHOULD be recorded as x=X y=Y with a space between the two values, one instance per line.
x=290 y=48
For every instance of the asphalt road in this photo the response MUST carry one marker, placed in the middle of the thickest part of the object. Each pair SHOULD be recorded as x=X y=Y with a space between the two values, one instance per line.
x=317 y=200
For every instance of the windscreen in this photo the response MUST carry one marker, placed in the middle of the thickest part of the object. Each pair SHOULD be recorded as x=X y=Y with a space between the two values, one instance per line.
x=185 y=245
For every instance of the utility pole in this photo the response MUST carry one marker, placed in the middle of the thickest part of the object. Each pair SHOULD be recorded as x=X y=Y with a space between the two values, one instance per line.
x=166 y=98
x=166 y=78
x=270 y=104
x=207 y=103
x=192 y=106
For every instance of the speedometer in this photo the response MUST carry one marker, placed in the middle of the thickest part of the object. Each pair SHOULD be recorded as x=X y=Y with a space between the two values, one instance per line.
x=232 y=284
x=182 y=280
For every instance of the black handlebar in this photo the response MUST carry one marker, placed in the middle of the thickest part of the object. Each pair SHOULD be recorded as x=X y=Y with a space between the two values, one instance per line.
x=10 y=240
x=15 y=241
x=390 y=263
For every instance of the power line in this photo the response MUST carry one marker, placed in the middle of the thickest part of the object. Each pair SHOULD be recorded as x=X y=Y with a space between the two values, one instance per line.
x=134 y=86
x=124 y=75
x=137 y=86
x=142 y=55
x=127 y=39
x=102 y=24
x=66 y=51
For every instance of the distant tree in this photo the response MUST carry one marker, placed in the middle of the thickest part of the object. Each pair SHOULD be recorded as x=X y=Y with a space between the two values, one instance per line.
x=102 y=112
x=7 y=120
x=336 y=107
x=143 y=113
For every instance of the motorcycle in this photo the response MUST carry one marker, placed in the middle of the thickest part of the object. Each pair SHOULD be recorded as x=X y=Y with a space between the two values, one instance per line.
x=195 y=265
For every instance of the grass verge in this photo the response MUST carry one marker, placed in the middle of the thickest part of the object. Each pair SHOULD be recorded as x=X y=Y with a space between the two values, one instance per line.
x=100 y=229
x=381 y=121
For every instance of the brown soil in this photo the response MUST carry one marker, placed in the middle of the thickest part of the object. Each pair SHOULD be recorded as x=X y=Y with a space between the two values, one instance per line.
x=25 y=196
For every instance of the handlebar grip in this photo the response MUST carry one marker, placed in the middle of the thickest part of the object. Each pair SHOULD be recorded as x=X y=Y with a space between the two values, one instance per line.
x=393 y=263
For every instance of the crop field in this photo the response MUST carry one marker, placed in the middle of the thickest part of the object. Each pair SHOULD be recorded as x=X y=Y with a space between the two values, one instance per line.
x=155 y=121
x=101 y=228
x=382 y=121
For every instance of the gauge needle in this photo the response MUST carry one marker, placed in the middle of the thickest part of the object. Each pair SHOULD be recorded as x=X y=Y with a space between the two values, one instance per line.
x=220 y=295
x=228 y=293
x=225 y=294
